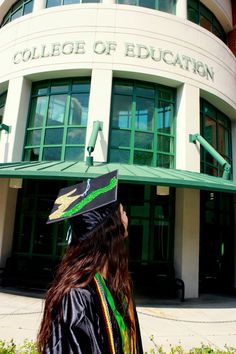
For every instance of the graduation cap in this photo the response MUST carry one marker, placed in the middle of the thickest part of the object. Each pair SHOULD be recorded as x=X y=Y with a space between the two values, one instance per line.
x=86 y=204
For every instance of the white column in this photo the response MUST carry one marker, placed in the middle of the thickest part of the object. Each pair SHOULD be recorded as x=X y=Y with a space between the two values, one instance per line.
x=99 y=109
x=15 y=115
x=8 y=198
x=108 y=2
x=187 y=122
x=39 y=5
x=187 y=231
x=181 y=8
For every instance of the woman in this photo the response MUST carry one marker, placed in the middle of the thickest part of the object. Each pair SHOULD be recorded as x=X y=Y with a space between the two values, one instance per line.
x=89 y=308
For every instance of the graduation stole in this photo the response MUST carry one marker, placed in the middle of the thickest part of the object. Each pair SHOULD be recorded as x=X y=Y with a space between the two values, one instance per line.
x=106 y=298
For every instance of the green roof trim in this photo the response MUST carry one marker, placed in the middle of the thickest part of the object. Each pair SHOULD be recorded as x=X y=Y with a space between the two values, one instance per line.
x=126 y=173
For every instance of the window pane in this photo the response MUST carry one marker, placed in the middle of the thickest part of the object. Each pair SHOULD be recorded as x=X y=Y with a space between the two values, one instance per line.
x=167 y=6
x=145 y=91
x=144 y=114
x=28 y=8
x=205 y=23
x=127 y=2
x=38 y=111
x=123 y=88
x=34 y=137
x=42 y=244
x=143 y=158
x=79 y=109
x=120 y=138
x=193 y=15
x=164 y=161
x=59 y=88
x=16 y=14
x=53 y=136
x=165 y=118
x=52 y=153
x=68 y=2
x=56 y=111
x=210 y=131
x=143 y=141
x=164 y=143
x=122 y=106
x=32 y=154
x=76 y=136
x=121 y=156
x=148 y=3
x=80 y=87
x=74 y=153
x=160 y=242
x=51 y=3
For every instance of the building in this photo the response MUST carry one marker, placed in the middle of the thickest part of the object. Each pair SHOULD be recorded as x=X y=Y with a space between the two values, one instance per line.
x=141 y=82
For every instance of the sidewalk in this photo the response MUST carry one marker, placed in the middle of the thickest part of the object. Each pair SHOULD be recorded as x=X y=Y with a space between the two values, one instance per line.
x=210 y=320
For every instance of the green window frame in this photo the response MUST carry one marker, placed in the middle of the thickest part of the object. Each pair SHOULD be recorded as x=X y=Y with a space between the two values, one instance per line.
x=18 y=9
x=57 y=120
x=3 y=98
x=168 y=6
x=202 y=16
x=52 y=3
x=216 y=129
x=142 y=124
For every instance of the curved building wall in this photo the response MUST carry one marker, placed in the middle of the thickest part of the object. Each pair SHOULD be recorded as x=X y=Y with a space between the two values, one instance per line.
x=84 y=39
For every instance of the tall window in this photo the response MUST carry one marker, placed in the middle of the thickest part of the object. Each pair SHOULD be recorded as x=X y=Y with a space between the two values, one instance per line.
x=216 y=129
x=20 y=8
x=57 y=121
x=51 y=3
x=198 y=13
x=142 y=121
x=161 y=5
x=3 y=97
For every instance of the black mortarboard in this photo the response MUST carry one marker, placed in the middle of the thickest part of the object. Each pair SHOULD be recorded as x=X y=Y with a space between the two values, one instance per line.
x=86 y=204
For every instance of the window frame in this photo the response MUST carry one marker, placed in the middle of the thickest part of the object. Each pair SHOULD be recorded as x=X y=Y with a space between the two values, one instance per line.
x=45 y=127
x=157 y=99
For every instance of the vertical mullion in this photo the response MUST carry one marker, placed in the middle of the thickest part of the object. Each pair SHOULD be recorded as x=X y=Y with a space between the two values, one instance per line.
x=155 y=138
x=41 y=148
x=133 y=115
x=66 y=119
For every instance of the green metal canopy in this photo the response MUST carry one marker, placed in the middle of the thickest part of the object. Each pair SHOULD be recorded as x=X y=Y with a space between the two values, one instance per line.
x=126 y=173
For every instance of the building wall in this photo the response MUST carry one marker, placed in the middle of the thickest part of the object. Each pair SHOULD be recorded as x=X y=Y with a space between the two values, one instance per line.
x=101 y=41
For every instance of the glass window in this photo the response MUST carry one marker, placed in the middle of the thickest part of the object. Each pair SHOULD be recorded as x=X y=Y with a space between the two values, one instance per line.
x=161 y=5
x=51 y=3
x=57 y=120
x=200 y=14
x=142 y=120
x=3 y=98
x=20 y=8
x=216 y=129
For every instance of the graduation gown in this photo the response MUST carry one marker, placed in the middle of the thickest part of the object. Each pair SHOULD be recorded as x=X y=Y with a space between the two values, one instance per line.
x=81 y=330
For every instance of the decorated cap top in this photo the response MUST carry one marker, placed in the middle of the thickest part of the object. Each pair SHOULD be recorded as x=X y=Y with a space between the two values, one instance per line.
x=84 y=197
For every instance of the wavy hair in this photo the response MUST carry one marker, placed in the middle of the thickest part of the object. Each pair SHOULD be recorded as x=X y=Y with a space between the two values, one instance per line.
x=104 y=246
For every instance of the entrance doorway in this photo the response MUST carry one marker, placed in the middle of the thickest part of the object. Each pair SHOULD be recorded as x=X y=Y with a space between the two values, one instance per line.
x=216 y=242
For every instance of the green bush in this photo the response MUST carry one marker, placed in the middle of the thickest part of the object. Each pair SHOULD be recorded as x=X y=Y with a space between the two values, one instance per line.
x=29 y=347
x=178 y=349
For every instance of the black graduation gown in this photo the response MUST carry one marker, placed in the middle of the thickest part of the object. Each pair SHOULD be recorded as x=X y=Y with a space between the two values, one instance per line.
x=82 y=327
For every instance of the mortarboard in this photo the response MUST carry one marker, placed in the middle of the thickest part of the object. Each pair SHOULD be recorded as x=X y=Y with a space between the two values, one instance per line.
x=86 y=204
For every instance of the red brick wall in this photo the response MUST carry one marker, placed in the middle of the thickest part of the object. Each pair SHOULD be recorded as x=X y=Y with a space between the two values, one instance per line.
x=232 y=34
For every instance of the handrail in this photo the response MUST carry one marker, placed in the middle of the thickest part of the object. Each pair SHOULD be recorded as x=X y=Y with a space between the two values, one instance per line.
x=227 y=167
x=97 y=126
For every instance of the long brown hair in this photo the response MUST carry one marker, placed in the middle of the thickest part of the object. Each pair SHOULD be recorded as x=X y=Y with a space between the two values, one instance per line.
x=104 y=246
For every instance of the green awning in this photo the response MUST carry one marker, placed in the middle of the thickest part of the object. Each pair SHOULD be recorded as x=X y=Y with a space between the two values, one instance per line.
x=127 y=173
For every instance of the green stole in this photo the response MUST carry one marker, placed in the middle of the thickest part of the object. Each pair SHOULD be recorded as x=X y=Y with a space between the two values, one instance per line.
x=106 y=297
